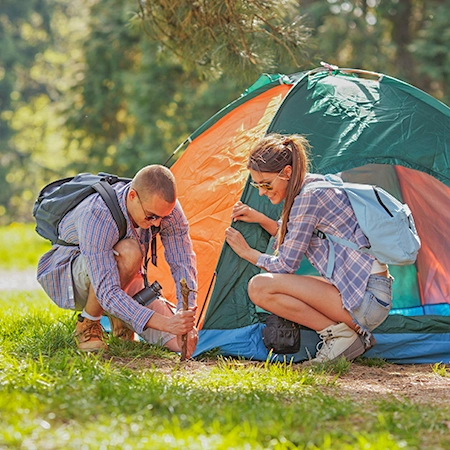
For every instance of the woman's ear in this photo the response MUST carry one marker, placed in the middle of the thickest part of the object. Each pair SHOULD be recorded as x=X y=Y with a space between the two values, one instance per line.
x=287 y=172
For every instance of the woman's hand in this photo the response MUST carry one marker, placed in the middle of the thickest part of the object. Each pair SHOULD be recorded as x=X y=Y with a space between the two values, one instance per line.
x=238 y=243
x=244 y=213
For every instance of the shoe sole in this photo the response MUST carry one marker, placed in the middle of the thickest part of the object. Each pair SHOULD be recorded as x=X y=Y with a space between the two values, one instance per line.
x=355 y=350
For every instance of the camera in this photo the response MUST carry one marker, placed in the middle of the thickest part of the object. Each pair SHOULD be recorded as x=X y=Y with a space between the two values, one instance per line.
x=148 y=294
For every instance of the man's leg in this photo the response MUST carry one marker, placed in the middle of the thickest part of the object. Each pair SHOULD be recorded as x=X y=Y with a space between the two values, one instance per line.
x=153 y=336
x=129 y=260
x=89 y=333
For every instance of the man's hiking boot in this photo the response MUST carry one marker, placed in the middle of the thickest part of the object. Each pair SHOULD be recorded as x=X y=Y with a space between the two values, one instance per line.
x=338 y=341
x=121 y=330
x=89 y=335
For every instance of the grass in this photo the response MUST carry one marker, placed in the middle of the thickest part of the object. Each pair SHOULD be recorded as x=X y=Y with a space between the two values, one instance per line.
x=21 y=246
x=441 y=370
x=138 y=396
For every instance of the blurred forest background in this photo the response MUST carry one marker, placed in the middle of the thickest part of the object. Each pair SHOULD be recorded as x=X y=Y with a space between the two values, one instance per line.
x=109 y=85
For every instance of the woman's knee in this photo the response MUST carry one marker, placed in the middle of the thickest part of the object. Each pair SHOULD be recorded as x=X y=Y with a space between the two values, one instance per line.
x=258 y=289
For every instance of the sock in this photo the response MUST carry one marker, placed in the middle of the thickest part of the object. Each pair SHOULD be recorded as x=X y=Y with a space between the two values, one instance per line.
x=88 y=316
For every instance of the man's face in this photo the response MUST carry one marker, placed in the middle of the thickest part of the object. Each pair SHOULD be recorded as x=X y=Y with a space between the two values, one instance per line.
x=148 y=210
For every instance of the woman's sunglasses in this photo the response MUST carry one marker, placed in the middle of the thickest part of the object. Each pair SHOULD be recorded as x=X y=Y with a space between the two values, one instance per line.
x=267 y=186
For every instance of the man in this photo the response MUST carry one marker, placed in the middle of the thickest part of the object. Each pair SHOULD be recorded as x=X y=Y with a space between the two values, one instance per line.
x=100 y=274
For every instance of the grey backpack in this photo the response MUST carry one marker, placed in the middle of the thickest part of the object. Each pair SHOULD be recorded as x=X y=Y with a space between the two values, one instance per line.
x=59 y=197
x=387 y=223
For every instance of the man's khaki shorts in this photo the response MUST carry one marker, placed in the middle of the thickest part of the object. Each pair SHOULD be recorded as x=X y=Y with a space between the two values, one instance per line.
x=81 y=285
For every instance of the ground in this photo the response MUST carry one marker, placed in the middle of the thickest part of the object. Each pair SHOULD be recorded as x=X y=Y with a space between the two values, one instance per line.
x=418 y=383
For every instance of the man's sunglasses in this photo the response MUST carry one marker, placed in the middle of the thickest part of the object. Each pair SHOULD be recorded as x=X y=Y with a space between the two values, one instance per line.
x=266 y=186
x=150 y=217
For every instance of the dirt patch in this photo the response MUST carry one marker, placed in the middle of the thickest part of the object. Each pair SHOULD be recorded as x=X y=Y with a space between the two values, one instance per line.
x=417 y=383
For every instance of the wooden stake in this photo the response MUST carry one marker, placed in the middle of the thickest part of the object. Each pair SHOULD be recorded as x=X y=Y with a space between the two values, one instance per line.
x=185 y=294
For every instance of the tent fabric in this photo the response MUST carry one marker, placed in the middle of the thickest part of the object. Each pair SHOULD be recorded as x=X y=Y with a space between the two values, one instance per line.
x=376 y=130
x=210 y=182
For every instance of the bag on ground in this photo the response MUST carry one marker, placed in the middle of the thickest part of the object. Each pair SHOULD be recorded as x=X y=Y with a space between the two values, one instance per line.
x=281 y=335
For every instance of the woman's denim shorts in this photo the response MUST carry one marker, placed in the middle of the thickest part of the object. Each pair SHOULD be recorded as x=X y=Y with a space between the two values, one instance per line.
x=376 y=304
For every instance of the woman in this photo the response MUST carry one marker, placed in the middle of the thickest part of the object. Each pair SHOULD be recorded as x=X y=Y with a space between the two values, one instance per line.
x=344 y=308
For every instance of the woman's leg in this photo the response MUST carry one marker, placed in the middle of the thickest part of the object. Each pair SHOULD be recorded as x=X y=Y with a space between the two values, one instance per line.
x=307 y=300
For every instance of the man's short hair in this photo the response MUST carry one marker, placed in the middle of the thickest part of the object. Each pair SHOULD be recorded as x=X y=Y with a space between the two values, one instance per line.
x=155 y=179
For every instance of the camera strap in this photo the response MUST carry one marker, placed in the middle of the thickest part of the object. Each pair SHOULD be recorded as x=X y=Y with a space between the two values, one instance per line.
x=154 y=230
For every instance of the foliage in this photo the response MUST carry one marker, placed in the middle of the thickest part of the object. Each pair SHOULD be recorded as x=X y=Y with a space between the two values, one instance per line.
x=440 y=370
x=407 y=39
x=136 y=103
x=53 y=397
x=37 y=69
x=216 y=36
x=113 y=85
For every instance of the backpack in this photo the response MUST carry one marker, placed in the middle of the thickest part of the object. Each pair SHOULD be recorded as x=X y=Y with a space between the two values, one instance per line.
x=59 y=197
x=387 y=223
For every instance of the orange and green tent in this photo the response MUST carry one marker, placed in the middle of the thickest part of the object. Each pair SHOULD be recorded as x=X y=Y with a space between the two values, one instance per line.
x=370 y=128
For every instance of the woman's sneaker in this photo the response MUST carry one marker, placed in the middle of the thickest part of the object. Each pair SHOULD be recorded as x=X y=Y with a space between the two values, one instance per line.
x=89 y=335
x=337 y=341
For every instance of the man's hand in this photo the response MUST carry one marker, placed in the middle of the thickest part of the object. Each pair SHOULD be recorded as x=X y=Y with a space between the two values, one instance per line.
x=182 y=322
x=164 y=319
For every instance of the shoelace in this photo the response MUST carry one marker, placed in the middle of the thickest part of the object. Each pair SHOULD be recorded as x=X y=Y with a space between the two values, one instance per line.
x=323 y=345
x=94 y=330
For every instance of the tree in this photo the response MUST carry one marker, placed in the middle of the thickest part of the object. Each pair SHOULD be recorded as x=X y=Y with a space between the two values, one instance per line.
x=407 y=39
x=216 y=37
x=113 y=85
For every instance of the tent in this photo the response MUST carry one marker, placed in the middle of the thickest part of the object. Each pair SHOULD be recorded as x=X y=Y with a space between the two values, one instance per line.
x=370 y=128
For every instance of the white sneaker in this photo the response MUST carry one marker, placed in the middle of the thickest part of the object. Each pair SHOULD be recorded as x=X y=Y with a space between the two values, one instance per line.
x=338 y=340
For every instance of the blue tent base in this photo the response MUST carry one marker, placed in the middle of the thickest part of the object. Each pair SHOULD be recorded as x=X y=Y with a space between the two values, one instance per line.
x=247 y=343
x=399 y=348
x=412 y=348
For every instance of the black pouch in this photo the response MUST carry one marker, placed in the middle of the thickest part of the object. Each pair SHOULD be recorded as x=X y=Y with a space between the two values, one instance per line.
x=281 y=335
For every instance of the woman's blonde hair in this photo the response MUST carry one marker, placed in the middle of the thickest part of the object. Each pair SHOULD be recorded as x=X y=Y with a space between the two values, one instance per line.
x=272 y=154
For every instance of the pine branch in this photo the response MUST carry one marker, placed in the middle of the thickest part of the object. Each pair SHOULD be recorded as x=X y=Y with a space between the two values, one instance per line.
x=219 y=36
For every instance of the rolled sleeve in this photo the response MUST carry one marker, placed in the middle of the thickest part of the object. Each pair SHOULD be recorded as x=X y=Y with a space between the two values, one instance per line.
x=179 y=253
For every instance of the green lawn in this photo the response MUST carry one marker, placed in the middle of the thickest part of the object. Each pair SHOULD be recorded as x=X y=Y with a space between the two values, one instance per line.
x=20 y=246
x=138 y=396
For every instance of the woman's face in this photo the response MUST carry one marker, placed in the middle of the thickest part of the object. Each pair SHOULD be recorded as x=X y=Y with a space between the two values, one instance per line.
x=272 y=184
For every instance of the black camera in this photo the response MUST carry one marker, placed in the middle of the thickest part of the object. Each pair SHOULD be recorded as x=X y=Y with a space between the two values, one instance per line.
x=148 y=294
